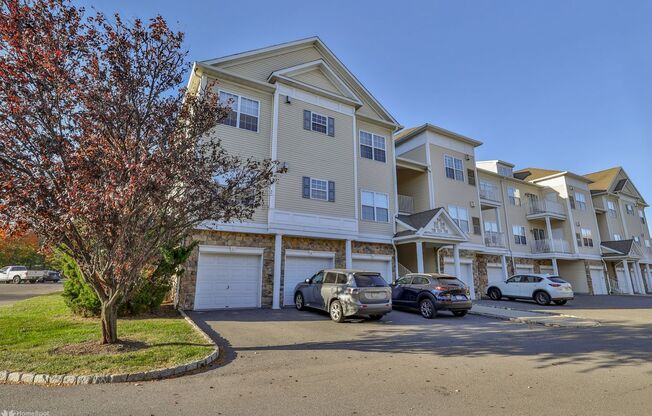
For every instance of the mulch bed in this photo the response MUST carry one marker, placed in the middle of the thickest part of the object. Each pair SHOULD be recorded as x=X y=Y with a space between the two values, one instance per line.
x=95 y=347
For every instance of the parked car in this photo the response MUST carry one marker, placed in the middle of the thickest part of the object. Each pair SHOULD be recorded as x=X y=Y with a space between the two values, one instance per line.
x=345 y=293
x=542 y=288
x=16 y=274
x=49 y=276
x=431 y=293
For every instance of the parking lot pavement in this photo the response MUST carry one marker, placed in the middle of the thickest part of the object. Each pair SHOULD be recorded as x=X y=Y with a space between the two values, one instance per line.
x=10 y=293
x=608 y=309
x=286 y=362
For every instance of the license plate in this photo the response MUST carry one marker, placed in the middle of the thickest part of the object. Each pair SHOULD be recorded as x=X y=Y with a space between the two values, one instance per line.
x=460 y=297
x=376 y=295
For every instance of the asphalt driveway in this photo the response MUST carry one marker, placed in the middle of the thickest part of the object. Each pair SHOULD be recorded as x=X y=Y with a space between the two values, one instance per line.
x=10 y=293
x=290 y=362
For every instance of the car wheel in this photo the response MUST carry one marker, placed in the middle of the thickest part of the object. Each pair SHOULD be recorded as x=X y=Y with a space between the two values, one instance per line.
x=336 y=312
x=542 y=298
x=32 y=281
x=460 y=313
x=17 y=280
x=298 y=301
x=427 y=308
x=495 y=294
x=561 y=302
x=375 y=317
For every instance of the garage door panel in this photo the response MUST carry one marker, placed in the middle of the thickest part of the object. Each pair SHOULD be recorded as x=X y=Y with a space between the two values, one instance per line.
x=228 y=280
x=466 y=277
x=375 y=265
x=495 y=274
x=300 y=268
x=598 y=281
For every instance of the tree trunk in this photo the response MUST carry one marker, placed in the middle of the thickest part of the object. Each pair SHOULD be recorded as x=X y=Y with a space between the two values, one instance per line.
x=109 y=323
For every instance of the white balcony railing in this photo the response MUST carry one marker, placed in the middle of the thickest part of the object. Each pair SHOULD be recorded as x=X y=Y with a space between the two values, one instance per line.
x=550 y=245
x=489 y=193
x=545 y=207
x=494 y=239
x=405 y=204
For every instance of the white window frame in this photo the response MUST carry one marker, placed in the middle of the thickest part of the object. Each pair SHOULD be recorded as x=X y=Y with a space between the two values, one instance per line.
x=641 y=215
x=491 y=227
x=318 y=190
x=373 y=145
x=375 y=206
x=515 y=199
x=239 y=103
x=312 y=121
x=629 y=208
x=580 y=203
x=454 y=167
x=637 y=239
x=648 y=244
x=617 y=237
x=521 y=232
x=611 y=208
x=463 y=223
x=505 y=171
x=587 y=237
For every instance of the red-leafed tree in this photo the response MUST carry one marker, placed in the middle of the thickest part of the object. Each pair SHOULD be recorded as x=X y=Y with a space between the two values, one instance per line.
x=102 y=152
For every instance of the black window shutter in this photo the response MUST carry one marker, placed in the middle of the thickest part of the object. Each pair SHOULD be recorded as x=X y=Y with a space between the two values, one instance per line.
x=306 y=187
x=306 y=119
x=571 y=198
x=331 y=191
x=331 y=126
x=471 y=174
x=578 y=237
x=476 y=225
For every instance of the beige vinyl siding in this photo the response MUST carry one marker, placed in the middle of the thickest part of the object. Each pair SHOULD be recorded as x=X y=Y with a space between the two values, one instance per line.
x=634 y=225
x=414 y=184
x=454 y=192
x=315 y=155
x=615 y=223
x=316 y=78
x=417 y=154
x=517 y=215
x=246 y=143
x=377 y=177
x=366 y=110
x=587 y=219
x=261 y=67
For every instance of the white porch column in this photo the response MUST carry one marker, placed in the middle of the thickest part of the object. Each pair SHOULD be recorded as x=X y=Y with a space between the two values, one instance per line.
x=503 y=263
x=349 y=255
x=555 y=269
x=549 y=232
x=639 y=278
x=419 y=246
x=276 y=289
x=628 y=277
x=649 y=278
x=498 y=224
x=456 y=258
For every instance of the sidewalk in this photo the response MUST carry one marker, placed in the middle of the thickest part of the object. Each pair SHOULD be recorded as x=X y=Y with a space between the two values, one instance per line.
x=528 y=317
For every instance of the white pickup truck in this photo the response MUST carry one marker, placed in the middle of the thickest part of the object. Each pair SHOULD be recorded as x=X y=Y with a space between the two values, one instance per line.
x=17 y=274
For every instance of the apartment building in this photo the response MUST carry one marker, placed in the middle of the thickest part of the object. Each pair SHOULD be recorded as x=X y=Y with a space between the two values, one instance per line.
x=335 y=204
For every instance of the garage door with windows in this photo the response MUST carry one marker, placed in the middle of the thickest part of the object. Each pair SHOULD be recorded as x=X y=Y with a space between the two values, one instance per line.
x=302 y=265
x=379 y=265
x=228 y=277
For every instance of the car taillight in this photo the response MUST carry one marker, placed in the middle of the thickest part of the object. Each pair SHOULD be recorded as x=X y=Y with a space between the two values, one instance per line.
x=554 y=284
x=441 y=288
x=352 y=291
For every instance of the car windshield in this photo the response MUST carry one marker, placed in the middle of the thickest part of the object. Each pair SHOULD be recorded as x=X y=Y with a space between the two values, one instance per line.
x=19 y=268
x=556 y=279
x=447 y=281
x=369 y=280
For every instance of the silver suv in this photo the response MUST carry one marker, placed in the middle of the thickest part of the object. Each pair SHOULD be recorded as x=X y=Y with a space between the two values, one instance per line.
x=343 y=293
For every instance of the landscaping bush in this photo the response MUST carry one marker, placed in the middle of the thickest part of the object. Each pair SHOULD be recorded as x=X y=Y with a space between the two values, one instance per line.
x=82 y=300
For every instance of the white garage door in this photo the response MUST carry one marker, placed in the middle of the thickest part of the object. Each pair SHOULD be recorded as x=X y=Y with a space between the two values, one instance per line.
x=300 y=268
x=598 y=282
x=375 y=265
x=624 y=286
x=522 y=269
x=228 y=280
x=495 y=274
x=466 y=277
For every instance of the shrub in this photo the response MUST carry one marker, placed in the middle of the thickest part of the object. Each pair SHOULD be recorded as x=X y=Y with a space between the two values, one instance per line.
x=152 y=291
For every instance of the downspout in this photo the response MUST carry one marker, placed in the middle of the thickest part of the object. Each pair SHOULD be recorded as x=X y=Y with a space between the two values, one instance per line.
x=507 y=239
x=396 y=276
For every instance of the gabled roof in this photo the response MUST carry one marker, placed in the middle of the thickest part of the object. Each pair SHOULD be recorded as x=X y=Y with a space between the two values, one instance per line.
x=420 y=219
x=326 y=54
x=613 y=180
x=537 y=174
x=434 y=224
x=603 y=179
x=408 y=133
x=622 y=247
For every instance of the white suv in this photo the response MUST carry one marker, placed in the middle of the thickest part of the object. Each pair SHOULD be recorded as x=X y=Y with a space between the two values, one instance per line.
x=543 y=288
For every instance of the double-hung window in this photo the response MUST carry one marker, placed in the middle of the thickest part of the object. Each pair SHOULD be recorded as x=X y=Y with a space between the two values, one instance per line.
x=648 y=244
x=460 y=216
x=617 y=237
x=318 y=122
x=587 y=237
x=514 y=196
x=244 y=112
x=642 y=215
x=372 y=146
x=580 y=201
x=519 y=234
x=454 y=168
x=375 y=206
x=611 y=208
x=319 y=189
x=630 y=209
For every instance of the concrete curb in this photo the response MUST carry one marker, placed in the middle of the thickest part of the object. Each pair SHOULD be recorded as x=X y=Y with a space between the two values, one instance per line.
x=541 y=320
x=17 y=377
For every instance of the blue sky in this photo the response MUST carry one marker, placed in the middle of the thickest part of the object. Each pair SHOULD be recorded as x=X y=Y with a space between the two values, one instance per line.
x=557 y=84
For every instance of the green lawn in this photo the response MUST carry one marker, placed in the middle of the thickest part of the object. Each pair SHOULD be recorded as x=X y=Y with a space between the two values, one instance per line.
x=30 y=330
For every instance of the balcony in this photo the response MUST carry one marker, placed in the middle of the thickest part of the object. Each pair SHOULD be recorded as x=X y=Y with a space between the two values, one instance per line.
x=550 y=245
x=538 y=209
x=494 y=239
x=405 y=204
x=490 y=193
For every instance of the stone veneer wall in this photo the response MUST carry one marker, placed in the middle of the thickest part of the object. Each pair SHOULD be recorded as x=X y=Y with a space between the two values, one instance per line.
x=229 y=239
